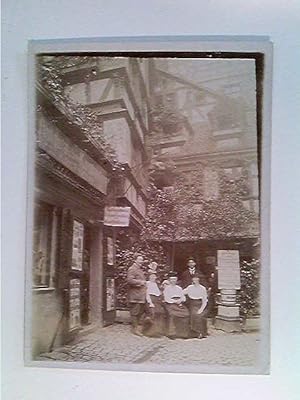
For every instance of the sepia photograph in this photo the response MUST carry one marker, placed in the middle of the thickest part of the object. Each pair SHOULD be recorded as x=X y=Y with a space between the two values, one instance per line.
x=145 y=216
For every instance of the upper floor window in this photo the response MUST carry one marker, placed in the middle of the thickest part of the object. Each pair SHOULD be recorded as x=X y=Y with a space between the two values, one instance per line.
x=171 y=100
x=233 y=173
x=211 y=184
x=226 y=115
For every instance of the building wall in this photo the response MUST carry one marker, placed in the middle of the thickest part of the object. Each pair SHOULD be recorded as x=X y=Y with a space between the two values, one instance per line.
x=68 y=183
x=47 y=309
x=118 y=134
x=226 y=96
x=63 y=150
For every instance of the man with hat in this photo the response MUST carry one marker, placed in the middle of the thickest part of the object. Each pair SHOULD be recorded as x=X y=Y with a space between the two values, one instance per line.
x=136 y=281
x=188 y=274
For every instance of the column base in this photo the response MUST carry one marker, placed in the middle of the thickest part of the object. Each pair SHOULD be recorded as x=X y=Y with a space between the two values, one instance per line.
x=228 y=324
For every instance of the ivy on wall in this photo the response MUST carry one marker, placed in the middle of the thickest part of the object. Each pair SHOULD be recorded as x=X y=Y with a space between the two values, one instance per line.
x=51 y=71
x=127 y=248
x=249 y=293
x=166 y=120
x=184 y=213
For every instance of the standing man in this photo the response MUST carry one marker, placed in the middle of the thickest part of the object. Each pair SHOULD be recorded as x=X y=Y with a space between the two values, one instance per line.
x=136 y=293
x=188 y=274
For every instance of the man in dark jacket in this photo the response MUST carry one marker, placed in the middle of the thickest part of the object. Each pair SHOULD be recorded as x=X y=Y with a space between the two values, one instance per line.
x=136 y=281
x=187 y=275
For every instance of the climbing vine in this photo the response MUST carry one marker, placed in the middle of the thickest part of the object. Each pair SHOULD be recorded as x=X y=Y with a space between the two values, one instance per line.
x=249 y=294
x=51 y=76
x=126 y=250
x=184 y=213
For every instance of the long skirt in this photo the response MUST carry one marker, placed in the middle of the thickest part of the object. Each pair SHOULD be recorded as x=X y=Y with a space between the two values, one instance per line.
x=158 y=318
x=178 y=320
x=198 y=322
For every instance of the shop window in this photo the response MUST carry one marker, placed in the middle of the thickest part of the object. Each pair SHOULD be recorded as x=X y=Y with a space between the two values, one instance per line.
x=44 y=245
x=226 y=116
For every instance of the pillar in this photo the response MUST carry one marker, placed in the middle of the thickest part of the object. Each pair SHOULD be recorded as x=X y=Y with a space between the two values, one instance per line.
x=228 y=317
x=96 y=275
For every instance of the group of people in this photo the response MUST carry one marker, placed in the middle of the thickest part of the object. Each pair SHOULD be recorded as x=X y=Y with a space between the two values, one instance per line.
x=169 y=308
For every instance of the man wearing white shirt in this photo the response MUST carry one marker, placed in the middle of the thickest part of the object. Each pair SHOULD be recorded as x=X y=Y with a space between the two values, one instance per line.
x=197 y=302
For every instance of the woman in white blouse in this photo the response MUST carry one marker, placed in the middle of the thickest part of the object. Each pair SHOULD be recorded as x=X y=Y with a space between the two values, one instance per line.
x=197 y=301
x=155 y=307
x=178 y=314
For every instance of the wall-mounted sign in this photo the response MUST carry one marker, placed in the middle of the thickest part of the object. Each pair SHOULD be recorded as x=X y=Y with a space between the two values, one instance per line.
x=229 y=269
x=116 y=216
x=77 y=249
x=228 y=258
x=110 y=294
x=74 y=304
x=110 y=251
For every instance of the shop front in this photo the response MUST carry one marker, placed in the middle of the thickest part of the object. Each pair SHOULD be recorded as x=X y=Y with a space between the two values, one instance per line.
x=70 y=260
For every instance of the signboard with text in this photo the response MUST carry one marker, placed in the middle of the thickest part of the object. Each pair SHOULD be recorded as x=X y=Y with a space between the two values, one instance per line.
x=229 y=269
x=74 y=319
x=77 y=250
x=110 y=294
x=110 y=251
x=117 y=216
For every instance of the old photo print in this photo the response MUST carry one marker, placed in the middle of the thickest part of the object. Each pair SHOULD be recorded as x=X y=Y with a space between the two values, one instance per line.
x=145 y=225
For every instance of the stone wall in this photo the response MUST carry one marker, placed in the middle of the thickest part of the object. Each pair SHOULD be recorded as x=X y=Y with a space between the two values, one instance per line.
x=47 y=309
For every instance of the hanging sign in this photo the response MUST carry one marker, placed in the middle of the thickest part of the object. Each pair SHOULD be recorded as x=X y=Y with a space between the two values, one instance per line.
x=117 y=216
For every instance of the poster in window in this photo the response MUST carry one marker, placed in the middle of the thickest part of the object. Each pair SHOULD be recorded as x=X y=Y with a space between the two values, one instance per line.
x=110 y=294
x=77 y=250
x=110 y=251
x=74 y=305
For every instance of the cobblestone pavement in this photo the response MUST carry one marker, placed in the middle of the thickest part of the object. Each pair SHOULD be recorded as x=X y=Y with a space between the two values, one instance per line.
x=115 y=344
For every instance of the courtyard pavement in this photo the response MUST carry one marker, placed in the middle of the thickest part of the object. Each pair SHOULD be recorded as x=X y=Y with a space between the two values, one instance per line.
x=115 y=344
